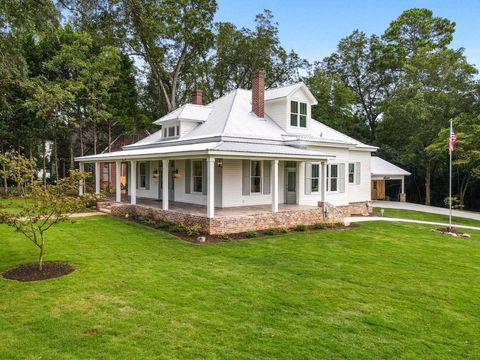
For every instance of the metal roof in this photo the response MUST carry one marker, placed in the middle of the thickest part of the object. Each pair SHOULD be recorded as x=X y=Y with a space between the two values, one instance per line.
x=380 y=167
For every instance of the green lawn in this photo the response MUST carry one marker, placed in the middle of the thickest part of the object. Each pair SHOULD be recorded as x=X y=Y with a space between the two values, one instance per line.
x=381 y=290
x=419 y=215
x=14 y=204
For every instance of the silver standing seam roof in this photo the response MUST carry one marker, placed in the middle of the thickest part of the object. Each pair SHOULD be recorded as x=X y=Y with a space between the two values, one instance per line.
x=380 y=167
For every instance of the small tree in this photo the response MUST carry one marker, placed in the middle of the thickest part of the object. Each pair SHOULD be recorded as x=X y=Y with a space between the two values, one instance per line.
x=50 y=206
x=16 y=167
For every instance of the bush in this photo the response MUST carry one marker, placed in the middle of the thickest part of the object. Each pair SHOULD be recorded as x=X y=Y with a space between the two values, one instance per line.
x=175 y=228
x=250 y=234
x=269 y=232
x=321 y=226
x=162 y=225
x=283 y=230
x=193 y=230
x=301 y=227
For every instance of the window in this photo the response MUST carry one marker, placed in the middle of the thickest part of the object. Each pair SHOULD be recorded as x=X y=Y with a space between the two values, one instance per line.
x=142 y=173
x=332 y=177
x=256 y=176
x=293 y=113
x=351 y=173
x=298 y=118
x=303 y=115
x=106 y=173
x=315 y=177
x=171 y=131
x=197 y=178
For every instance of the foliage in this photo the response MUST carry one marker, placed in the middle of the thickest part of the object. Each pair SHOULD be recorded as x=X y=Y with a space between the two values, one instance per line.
x=193 y=230
x=301 y=227
x=250 y=234
x=269 y=232
x=49 y=207
x=16 y=167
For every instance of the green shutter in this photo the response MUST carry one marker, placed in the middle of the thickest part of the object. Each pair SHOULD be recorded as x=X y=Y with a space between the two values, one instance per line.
x=188 y=176
x=245 y=177
x=147 y=175
x=267 y=166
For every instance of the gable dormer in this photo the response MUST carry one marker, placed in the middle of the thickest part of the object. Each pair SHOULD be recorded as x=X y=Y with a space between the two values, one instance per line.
x=290 y=107
x=184 y=119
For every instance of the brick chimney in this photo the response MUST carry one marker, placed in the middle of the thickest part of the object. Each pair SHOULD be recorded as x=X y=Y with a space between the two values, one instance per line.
x=258 y=93
x=197 y=97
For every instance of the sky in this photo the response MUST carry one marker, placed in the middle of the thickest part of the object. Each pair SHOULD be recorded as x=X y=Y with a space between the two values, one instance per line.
x=313 y=28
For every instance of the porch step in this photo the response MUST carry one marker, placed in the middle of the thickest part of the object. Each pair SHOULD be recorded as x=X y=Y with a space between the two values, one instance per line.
x=104 y=207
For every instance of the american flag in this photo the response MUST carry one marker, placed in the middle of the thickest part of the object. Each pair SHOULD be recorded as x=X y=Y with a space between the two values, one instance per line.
x=451 y=142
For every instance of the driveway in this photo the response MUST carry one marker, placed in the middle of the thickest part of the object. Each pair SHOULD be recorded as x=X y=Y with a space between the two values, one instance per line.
x=425 y=208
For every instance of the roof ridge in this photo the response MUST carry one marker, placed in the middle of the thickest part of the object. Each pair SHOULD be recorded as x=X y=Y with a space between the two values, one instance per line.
x=229 y=111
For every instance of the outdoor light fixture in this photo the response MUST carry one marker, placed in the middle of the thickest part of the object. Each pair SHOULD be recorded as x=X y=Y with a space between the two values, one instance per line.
x=325 y=211
x=220 y=163
x=382 y=211
x=156 y=174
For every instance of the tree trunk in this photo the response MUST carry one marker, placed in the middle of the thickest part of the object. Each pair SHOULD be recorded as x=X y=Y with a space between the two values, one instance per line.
x=44 y=165
x=463 y=190
x=40 y=258
x=428 y=176
x=80 y=130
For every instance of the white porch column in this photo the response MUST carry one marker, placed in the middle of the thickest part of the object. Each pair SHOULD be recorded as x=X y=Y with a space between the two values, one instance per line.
x=118 y=184
x=274 y=186
x=210 y=187
x=133 y=182
x=301 y=182
x=403 y=185
x=97 y=178
x=165 y=176
x=324 y=180
x=81 y=168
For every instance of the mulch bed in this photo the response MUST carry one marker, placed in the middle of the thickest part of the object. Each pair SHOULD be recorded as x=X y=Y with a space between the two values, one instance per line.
x=30 y=272
x=452 y=232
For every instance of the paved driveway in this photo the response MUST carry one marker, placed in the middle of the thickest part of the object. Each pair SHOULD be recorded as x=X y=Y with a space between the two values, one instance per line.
x=425 y=208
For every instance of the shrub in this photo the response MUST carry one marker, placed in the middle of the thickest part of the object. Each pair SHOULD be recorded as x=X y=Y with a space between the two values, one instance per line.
x=250 y=234
x=193 y=230
x=283 y=230
x=225 y=237
x=162 y=225
x=175 y=228
x=269 y=232
x=321 y=226
x=300 y=227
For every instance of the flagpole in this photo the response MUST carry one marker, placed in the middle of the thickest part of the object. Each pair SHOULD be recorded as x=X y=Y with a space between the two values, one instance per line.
x=450 y=150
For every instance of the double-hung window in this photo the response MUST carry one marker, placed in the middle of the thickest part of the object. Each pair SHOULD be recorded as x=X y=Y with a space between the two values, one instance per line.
x=332 y=177
x=142 y=175
x=171 y=131
x=255 y=176
x=351 y=173
x=298 y=114
x=197 y=178
x=315 y=180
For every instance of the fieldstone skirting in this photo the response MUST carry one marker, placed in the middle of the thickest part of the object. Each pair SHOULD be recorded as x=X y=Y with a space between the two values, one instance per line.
x=243 y=223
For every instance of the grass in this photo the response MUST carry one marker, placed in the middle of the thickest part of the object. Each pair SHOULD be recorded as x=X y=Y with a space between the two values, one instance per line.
x=15 y=204
x=381 y=290
x=419 y=215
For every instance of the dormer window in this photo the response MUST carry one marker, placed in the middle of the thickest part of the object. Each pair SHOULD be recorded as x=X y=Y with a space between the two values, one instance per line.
x=171 y=131
x=298 y=114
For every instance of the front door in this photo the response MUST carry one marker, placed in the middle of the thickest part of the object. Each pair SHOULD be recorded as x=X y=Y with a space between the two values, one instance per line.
x=290 y=185
x=378 y=189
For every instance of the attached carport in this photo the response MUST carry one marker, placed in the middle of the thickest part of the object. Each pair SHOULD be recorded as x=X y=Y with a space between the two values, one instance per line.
x=382 y=172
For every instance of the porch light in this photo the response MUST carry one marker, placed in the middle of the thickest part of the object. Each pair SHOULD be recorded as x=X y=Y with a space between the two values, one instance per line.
x=325 y=211
x=175 y=173
x=220 y=163
x=156 y=174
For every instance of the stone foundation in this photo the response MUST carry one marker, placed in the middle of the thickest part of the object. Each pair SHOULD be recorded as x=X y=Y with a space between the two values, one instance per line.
x=243 y=223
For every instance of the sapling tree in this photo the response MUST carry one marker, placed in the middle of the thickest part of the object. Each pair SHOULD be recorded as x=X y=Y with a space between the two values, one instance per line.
x=50 y=206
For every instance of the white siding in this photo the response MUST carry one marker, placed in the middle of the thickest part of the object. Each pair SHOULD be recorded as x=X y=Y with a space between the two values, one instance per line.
x=152 y=192
x=277 y=111
x=180 y=194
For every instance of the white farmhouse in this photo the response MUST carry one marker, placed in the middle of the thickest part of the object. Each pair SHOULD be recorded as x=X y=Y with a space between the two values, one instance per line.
x=253 y=154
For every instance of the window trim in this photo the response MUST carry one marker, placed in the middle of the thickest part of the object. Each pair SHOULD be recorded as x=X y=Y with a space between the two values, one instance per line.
x=353 y=174
x=193 y=176
x=329 y=178
x=175 y=129
x=256 y=176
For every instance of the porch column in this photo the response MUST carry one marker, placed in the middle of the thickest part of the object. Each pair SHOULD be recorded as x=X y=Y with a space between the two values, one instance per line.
x=133 y=182
x=301 y=182
x=97 y=178
x=274 y=186
x=210 y=187
x=165 y=176
x=118 y=184
x=323 y=183
x=81 y=168
x=403 y=196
